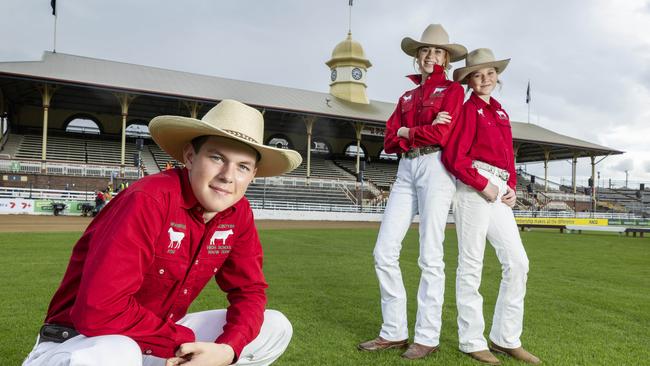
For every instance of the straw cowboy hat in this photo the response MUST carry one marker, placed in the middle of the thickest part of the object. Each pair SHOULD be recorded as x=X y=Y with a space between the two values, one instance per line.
x=476 y=60
x=229 y=119
x=434 y=36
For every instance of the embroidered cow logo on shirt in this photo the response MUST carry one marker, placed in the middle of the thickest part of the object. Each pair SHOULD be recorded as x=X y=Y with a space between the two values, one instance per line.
x=215 y=247
x=406 y=98
x=438 y=91
x=175 y=238
x=480 y=112
x=502 y=115
x=220 y=235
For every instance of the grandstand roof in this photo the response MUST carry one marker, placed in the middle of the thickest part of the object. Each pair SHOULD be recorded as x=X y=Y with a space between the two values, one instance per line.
x=86 y=72
x=533 y=140
x=78 y=70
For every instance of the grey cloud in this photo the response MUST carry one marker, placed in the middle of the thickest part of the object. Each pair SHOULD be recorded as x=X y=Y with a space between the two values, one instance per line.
x=623 y=165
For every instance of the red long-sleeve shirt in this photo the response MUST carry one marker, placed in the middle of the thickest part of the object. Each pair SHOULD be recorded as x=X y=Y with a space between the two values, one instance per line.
x=417 y=108
x=148 y=255
x=482 y=133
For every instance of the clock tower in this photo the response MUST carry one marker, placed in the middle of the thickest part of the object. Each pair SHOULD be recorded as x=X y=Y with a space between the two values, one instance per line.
x=348 y=67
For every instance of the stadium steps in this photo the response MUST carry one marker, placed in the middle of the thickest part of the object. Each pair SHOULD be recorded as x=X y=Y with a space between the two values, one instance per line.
x=149 y=162
x=11 y=146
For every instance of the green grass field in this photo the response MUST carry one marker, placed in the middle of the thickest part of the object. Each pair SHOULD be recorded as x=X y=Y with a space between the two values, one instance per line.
x=588 y=300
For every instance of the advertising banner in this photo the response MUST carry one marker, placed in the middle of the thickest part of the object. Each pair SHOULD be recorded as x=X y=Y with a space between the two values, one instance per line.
x=46 y=206
x=560 y=221
x=16 y=206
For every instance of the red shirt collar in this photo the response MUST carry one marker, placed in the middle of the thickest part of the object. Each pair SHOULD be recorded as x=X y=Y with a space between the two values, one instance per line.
x=437 y=76
x=480 y=103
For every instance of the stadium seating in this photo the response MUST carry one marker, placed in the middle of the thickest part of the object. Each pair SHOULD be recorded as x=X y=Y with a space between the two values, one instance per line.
x=74 y=149
x=321 y=168
x=296 y=192
x=380 y=173
x=160 y=157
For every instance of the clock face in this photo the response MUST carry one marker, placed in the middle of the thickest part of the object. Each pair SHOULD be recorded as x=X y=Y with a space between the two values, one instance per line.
x=333 y=75
x=356 y=73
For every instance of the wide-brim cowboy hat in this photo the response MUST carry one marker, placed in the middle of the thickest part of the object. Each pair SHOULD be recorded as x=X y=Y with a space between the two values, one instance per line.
x=434 y=36
x=230 y=119
x=478 y=59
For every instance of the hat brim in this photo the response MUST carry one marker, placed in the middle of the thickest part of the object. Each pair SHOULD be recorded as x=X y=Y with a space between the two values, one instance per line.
x=457 y=52
x=461 y=74
x=172 y=133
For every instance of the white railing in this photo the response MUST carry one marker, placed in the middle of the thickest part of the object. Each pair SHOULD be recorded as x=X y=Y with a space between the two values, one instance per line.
x=67 y=168
x=316 y=182
x=557 y=196
x=571 y=214
x=54 y=194
x=305 y=206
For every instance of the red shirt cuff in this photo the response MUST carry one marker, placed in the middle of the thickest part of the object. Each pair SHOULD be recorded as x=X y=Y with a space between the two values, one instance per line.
x=235 y=340
x=403 y=144
x=183 y=335
x=480 y=183
x=412 y=136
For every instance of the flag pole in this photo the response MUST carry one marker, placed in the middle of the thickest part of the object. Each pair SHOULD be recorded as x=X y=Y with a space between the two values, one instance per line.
x=54 y=49
x=528 y=99
x=350 y=17
x=53 y=4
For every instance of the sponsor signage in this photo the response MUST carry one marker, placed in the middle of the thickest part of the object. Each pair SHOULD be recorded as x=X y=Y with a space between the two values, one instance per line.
x=560 y=221
x=16 y=206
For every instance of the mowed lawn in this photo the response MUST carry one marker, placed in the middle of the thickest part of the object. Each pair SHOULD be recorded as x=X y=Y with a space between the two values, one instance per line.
x=588 y=300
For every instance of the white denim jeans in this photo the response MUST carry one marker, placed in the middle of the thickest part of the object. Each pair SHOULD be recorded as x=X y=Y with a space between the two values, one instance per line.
x=422 y=186
x=476 y=220
x=112 y=350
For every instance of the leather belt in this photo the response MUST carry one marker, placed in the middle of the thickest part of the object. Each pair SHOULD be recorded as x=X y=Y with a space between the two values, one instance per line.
x=419 y=151
x=501 y=173
x=56 y=333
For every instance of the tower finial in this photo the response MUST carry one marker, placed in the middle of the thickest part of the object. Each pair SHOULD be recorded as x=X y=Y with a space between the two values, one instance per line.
x=350 y=18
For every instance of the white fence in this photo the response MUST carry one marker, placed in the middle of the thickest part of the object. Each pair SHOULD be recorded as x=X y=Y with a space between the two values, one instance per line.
x=74 y=169
x=53 y=194
x=314 y=182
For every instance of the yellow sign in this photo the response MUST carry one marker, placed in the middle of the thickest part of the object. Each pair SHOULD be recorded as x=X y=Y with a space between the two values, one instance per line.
x=559 y=221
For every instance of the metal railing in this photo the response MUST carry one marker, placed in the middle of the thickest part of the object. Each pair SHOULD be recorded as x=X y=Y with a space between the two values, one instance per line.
x=68 y=168
x=54 y=194
x=299 y=206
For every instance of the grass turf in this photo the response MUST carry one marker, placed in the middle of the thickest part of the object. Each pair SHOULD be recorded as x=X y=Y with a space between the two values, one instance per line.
x=588 y=300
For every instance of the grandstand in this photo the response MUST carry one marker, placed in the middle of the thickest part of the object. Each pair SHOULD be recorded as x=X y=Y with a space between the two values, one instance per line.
x=117 y=95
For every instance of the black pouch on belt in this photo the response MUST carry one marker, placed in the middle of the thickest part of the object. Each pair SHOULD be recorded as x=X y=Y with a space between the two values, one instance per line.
x=56 y=333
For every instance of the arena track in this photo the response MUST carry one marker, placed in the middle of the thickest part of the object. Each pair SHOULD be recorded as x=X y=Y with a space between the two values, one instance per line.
x=41 y=223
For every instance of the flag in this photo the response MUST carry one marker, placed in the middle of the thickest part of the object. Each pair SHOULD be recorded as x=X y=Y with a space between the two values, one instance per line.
x=351 y=2
x=528 y=93
x=53 y=4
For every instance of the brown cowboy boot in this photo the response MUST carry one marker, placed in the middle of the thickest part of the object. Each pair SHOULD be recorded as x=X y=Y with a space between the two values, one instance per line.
x=417 y=350
x=380 y=343
x=485 y=357
x=519 y=353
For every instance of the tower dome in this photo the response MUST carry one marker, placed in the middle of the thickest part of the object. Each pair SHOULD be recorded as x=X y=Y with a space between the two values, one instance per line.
x=348 y=67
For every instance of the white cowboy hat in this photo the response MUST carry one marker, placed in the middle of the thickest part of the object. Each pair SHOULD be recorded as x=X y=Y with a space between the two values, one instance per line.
x=478 y=59
x=434 y=36
x=230 y=119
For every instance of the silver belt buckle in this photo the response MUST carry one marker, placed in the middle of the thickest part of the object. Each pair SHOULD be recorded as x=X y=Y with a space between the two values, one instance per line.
x=504 y=175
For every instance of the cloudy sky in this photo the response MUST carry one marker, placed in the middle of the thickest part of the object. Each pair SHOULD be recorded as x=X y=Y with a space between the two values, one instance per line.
x=588 y=61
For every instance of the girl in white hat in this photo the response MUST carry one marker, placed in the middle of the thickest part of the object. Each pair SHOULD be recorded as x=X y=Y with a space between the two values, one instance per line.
x=417 y=131
x=480 y=155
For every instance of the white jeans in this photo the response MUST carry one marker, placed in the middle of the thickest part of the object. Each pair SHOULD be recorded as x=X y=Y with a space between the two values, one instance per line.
x=422 y=186
x=112 y=350
x=476 y=220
